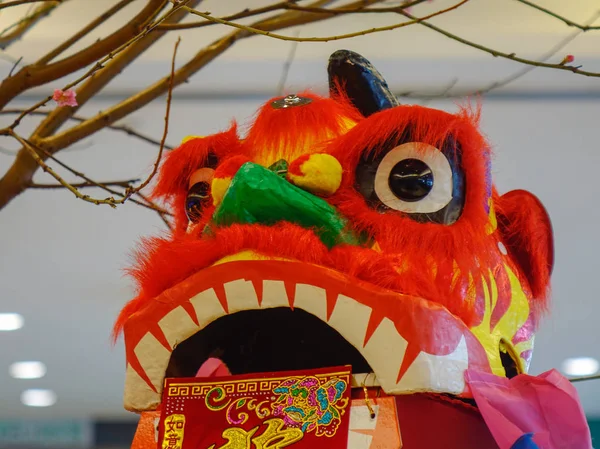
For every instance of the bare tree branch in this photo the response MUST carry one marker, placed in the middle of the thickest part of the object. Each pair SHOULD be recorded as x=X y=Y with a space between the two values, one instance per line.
x=500 y=54
x=23 y=2
x=78 y=147
x=584 y=378
x=161 y=213
x=358 y=10
x=32 y=76
x=521 y=73
x=34 y=151
x=122 y=128
x=83 y=32
x=508 y=80
x=240 y=15
x=165 y=131
x=326 y=38
x=25 y=24
x=288 y=5
x=107 y=57
x=201 y=59
x=20 y=173
x=80 y=185
x=68 y=186
x=444 y=94
x=104 y=70
x=15 y=65
x=559 y=17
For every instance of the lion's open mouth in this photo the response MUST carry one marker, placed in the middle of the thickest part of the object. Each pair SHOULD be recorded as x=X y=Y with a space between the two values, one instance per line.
x=256 y=341
x=275 y=315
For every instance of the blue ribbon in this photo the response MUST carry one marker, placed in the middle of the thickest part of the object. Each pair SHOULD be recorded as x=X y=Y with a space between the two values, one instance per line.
x=525 y=442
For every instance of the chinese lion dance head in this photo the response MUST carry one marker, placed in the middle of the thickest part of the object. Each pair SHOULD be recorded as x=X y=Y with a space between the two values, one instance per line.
x=340 y=230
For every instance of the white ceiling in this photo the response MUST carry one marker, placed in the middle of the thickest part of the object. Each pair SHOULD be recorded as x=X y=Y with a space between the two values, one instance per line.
x=62 y=259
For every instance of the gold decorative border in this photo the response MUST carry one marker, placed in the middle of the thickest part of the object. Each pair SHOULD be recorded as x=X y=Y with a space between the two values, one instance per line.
x=244 y=386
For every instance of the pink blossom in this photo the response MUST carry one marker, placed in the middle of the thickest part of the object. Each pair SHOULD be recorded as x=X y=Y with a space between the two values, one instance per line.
x=65 y=97
x=567 y=59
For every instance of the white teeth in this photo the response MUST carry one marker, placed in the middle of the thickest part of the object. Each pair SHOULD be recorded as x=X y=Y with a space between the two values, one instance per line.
x=240 y=296
x=311 y=299
x=154 y=359
x=438 y=373
x=350 y=318
x=385 y=352
x=274 y=295
x=177 y=325
x=138 y=395
x=207 y=307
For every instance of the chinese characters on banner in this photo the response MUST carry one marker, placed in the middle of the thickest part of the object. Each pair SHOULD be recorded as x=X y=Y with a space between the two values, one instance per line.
x=308 y=409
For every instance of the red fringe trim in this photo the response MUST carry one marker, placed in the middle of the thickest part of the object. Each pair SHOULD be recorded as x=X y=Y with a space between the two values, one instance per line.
x=163 y=263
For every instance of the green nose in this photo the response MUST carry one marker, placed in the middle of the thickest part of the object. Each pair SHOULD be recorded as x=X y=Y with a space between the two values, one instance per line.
x=257 y=195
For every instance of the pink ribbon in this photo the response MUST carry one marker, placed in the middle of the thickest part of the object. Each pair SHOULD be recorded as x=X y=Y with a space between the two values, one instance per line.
x=213 y=368
x=546 y=405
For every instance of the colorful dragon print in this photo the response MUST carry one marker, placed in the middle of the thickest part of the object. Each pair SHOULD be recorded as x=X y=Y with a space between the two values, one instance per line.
x=347 y=229
x=310 y=406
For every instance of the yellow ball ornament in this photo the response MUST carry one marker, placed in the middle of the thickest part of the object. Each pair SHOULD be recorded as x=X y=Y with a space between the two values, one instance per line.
x=318 y=173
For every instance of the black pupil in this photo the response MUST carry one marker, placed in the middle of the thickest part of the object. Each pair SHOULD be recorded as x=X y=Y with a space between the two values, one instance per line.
x=411 y=180
x=198 y=196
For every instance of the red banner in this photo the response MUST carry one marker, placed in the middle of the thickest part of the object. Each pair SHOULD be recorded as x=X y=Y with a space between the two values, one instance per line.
x=308 y=409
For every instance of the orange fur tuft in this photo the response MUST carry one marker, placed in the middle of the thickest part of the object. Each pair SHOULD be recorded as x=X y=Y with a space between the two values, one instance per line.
x=163 y=263
x=230 y=166
x=179 y=164
x=291 y=132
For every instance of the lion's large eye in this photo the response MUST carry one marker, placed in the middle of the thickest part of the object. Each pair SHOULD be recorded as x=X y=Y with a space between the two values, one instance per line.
x=415 y=178
x=198 y=196
x=410 y=180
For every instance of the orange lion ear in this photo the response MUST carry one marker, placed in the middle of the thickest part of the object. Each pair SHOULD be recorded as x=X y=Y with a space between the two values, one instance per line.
x=527 y=234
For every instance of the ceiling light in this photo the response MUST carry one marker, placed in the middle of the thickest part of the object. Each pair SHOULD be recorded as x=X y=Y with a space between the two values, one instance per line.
x=38 y=398
x=27 y=370
x=10 y=321
x=580 y=366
